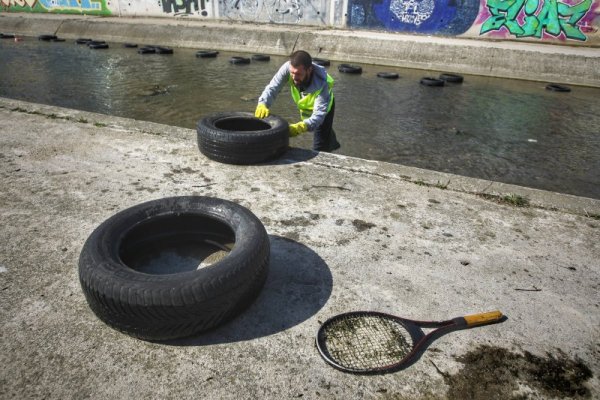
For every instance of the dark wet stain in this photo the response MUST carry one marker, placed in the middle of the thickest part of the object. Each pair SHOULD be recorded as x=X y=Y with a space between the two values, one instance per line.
x=361 y=225
x=301 y=221
x=495 y=373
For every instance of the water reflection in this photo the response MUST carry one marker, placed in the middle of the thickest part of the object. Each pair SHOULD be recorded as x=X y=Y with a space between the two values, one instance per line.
x=498 y=129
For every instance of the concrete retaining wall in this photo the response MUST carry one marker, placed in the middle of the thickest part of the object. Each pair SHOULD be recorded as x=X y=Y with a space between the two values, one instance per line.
x=538 y=62
x=572 y=22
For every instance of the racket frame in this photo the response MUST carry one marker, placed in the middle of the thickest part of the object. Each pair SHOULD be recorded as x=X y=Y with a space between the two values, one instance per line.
x=420 y=339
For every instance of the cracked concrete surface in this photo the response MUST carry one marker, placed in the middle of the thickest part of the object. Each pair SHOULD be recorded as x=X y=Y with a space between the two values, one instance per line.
x=346 y=234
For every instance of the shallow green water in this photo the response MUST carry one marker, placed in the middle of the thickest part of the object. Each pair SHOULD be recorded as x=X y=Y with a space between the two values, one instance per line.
x=498 y=129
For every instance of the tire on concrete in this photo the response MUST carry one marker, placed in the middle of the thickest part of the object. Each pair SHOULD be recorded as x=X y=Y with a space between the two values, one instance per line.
x=173 y=304
x=240 y=138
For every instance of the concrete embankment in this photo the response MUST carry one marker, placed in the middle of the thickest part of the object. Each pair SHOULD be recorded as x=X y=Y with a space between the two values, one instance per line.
x=515 y=60
x=346 y=234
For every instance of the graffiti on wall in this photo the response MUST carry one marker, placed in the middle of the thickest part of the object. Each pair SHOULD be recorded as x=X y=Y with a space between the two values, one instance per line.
x=451 y=17
x=61 y=6
x=275 y=11
x=186 y=7
x=534 y=18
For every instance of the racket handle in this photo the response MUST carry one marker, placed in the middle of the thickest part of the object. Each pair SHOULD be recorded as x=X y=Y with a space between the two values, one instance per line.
x=483 y=318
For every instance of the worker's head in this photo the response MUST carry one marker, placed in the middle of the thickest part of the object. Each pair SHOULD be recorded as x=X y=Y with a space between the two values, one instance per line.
x=300 y=67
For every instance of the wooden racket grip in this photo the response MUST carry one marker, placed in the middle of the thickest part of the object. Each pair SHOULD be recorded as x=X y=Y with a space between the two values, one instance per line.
x=483 y=318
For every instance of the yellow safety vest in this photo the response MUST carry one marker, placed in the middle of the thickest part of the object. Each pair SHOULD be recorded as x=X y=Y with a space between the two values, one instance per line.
x=306 y=104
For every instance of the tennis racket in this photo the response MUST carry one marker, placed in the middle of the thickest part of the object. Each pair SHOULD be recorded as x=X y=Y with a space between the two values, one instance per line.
x=373 y=342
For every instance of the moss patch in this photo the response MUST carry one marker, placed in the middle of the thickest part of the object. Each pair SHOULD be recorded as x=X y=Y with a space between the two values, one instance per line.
x=496 y=373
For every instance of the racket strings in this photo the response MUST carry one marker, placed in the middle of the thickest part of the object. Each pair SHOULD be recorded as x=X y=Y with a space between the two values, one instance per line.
x=366 y=342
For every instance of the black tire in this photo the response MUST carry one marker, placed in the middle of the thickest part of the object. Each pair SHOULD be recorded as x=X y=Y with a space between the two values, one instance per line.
x=82 y=41
x=350 y=69
x=95 y=42
x=240 y=138
x=239 y=60
x=130 y=45
x=7 y=36
x=206 y=53
x=146 y=50
x=163 y=50
x=261 y=57
x=47 y=38
x=555 y=87
x=98 y=46
x=452 y=78
x=173 y=305
x=427 y=81
x=322 y=62
x=388 y=75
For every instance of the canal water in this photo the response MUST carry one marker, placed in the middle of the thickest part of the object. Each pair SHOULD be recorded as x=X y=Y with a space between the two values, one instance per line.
x=504 y=130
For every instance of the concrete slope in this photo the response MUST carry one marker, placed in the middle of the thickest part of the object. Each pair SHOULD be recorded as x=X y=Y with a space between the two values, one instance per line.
x=516 y=60
x=346 y=234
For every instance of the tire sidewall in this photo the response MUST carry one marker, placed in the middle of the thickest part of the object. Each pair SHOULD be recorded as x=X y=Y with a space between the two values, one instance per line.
x=100 y=254
x=207 y=127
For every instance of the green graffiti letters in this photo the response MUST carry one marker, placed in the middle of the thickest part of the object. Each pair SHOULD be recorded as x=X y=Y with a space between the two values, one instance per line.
x=553 y=17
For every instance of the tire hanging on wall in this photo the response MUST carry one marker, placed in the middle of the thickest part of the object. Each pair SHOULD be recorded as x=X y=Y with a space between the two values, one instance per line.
x=240 y=138
x=173 y=305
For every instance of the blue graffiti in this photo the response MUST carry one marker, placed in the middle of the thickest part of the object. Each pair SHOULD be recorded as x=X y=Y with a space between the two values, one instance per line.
x=72 y=4
x=451 y=17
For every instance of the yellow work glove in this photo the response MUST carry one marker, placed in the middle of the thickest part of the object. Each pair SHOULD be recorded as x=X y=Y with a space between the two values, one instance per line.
x=261 y=111
x=297 y=128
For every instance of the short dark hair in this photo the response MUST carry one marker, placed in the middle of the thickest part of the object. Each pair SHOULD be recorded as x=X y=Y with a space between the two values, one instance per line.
x=301 y=57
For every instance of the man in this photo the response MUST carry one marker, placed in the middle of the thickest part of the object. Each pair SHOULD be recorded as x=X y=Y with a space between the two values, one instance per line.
x=312 y=91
